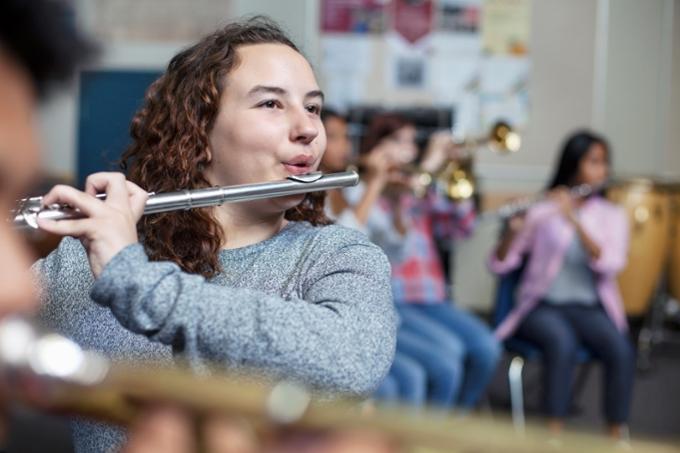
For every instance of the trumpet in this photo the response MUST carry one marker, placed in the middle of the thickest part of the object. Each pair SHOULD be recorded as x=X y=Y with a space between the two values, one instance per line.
x=30 y=209
x=455 y=178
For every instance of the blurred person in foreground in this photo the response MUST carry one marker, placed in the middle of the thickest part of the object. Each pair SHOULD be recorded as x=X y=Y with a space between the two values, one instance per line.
x=39 y=50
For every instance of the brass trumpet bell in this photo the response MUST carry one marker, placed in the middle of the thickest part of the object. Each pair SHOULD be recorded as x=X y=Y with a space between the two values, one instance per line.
x=457 y=178
x=460 y=183
x=504 y=139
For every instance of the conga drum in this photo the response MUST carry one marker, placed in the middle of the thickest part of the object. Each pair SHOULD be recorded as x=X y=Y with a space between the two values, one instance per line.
x=649 y=212
x=674 y=258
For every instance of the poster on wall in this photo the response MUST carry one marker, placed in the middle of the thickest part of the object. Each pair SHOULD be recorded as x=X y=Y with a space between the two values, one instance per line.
x=504 y=91
x=412 y=19
x=506 y=27
x=430 y=53
x=458 y=16
x=346 y=64
x=505 y=30
x=353 y=16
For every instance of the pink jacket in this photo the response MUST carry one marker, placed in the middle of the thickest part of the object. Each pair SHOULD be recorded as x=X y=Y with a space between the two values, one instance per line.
x=545 y=237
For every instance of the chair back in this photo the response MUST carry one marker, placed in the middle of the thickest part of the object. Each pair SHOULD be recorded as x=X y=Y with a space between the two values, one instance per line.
x=505 y=294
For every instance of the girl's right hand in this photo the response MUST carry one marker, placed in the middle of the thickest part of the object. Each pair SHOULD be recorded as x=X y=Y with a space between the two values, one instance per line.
x=109 y=226
x=378 y=163
x=516 y=223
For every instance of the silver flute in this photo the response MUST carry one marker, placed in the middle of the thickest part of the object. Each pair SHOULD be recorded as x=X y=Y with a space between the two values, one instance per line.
x=30 y=209
x=524 y=204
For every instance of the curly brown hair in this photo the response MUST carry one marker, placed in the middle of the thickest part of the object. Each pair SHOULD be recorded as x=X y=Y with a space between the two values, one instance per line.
x=169 y=149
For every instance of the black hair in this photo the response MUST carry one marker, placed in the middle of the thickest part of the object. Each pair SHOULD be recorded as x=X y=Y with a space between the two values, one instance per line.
x=328 y=113
x=574 y=150
x=41 y=36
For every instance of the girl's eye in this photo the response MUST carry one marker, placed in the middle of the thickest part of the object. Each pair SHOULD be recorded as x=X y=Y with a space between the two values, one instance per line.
x=270 y=104
x=315 y=109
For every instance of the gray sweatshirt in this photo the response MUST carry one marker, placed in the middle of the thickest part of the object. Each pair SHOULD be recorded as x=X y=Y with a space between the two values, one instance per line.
x=311 y=303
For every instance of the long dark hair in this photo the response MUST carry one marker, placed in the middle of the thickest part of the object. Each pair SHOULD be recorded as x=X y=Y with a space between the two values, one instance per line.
x=169 y=149
x=574 y=150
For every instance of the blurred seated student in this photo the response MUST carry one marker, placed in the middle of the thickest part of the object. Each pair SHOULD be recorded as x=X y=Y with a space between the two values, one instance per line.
x=457 y=350
x=265 y=286
x=568 y=294
x=406 y=381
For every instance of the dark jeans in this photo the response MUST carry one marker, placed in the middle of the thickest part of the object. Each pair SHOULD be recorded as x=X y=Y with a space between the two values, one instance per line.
x=406 y=382
x=559 y=330
x=457 y=350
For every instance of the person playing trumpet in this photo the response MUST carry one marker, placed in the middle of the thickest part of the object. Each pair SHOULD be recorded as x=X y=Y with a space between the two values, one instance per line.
x=456 y=350
x=264 y=285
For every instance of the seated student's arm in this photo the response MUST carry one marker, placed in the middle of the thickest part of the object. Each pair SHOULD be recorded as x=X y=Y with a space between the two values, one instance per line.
x=379 y=224
x=514 y=244
x=612 y=253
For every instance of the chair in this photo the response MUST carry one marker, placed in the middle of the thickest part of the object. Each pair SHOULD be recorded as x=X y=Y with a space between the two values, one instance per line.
x=523 y=351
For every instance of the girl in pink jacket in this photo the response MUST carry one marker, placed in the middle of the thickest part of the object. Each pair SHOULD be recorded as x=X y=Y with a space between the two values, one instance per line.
x=568 y=295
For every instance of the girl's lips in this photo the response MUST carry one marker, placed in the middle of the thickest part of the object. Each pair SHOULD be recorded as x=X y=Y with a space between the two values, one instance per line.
x=297 y=169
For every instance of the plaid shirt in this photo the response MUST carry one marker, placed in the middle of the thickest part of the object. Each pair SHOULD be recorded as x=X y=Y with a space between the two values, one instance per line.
x=417 y=273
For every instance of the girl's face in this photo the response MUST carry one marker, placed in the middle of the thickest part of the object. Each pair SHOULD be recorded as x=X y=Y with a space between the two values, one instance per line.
x=338 y=149
x=268 y=126
x=593 y=168
x=402 y=145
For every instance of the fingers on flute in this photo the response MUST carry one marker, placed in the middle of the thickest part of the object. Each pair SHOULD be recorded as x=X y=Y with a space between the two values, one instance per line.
x=82 y=201
x=110 y=183
x=61 y=194
x=138 y=197
x=120 y=193
x=75 y=228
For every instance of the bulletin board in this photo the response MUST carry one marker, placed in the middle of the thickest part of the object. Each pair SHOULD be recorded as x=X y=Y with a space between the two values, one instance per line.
x=470 y=55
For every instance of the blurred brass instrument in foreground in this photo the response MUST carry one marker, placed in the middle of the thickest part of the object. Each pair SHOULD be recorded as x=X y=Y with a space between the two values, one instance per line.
x=456 y=178
x=53 y=374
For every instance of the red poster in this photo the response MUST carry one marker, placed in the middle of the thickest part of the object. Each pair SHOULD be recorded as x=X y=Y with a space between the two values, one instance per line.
x=353 y=16
x=413 y=19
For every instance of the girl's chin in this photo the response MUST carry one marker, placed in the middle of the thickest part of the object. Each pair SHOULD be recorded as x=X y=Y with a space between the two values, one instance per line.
x=283 y=204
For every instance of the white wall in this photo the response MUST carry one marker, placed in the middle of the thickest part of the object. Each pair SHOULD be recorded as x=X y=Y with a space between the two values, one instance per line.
x=673 y=122
x=300 y=18
x=638 y=89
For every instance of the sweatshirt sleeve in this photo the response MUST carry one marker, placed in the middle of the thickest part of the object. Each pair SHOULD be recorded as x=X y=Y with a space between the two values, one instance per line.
x=614 y=246
x=339 y=335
